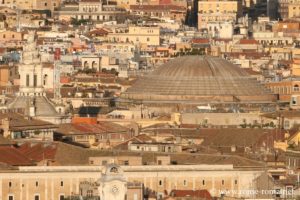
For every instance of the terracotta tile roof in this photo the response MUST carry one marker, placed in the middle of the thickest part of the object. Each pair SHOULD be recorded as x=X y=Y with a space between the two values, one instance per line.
x=38 y=152
x=217 y=137
x=203 y=194
x=98 y=32
x=248 y=55
x=83 y=128
x=19 y=122
x=68 y=155
x=67 y=92
x=95 y=79
x=157 y=7
x=165 y=2
x=65 y=79
x=90 y=1
x=248 y=41
x=11 y=156
x=2 y=50
x=200 y=41
x=236 y=161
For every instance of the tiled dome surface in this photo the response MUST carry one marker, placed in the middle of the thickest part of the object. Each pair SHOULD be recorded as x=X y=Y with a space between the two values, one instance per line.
x=198 y=78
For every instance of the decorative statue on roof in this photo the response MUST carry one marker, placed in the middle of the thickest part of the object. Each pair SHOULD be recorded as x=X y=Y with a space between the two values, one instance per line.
x=30 y=51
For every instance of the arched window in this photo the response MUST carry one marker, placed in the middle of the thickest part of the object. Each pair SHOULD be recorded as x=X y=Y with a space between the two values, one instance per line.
x=86 y=64
x=160 y=182
x=296 y=88
x=94 y=64
x=114 y=170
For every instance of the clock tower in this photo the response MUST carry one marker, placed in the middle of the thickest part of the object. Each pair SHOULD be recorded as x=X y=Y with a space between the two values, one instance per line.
x=113 y=185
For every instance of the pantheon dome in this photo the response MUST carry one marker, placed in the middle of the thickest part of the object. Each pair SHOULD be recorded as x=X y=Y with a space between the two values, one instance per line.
x=198 y=79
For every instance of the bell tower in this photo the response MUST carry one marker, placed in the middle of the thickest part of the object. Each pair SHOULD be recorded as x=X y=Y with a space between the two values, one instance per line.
x=31 y=69
x=113 y=185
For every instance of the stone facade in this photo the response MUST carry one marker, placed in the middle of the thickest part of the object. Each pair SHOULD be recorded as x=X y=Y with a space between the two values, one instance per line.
x=217 y=11
x=49 y=183
x=31 y=96
x=90 y=10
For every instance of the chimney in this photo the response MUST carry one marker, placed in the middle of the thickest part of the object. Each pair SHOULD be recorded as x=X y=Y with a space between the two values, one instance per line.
x=5 y=126
x=233 y=148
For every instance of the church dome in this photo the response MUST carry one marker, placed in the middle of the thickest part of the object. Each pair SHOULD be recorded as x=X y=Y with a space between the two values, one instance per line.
x=42 y=106
x=196 y=79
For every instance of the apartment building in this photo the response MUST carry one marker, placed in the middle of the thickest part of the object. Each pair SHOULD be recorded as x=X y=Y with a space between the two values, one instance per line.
x=217 y=11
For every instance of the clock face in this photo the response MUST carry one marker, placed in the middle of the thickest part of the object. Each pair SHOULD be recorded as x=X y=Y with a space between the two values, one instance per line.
x=114 y=189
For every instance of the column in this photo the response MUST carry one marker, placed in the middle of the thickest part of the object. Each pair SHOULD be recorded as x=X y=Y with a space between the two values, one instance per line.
x=52 y=188
x=213 y=186
x=1 y=188
x=46 y=189
x=194 y=183
x=27 y=193
x=21 y=189
x=77 y=186
x=71 y=186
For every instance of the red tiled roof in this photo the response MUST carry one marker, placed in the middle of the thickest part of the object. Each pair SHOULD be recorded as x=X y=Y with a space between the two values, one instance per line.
x=11 y=156
x=38 y=152
x=2 y=50
x=203 y=194
x=248 y=41
x=65 y=79
x=156 y=7
x=84 y=128
x=90 y=1
x=164 y=2
x=98 y=32
x=200 y=41
x=252 y=55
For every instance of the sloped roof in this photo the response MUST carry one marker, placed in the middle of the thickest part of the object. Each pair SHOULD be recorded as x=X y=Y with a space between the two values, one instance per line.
x=38 y=152
x=42 y=105
x=248 y=41
x=11 y=156
x=200 y=41
x=157 y=7
x=84 y=128
x=139 y=139
x=19 y=122
x=67 y=155
x=243 y=137
x=203 y=194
